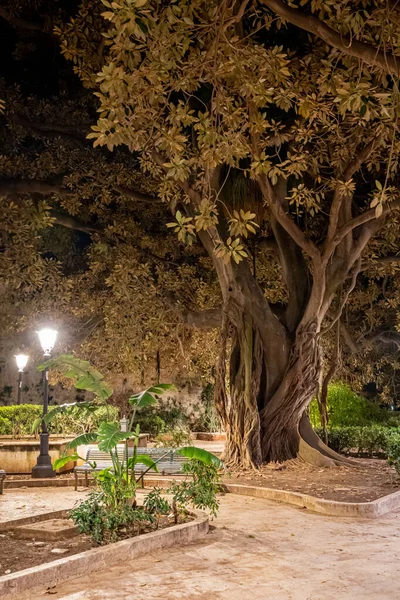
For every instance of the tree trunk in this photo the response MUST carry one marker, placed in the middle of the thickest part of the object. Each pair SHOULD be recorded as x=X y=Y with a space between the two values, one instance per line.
x=281 y=417
x=266 y=420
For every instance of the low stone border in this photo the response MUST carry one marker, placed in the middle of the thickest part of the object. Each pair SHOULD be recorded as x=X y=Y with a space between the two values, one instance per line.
x=12 y=484
x=55 y=514
x=98 y=559
x=366 y=510
x=208 y=436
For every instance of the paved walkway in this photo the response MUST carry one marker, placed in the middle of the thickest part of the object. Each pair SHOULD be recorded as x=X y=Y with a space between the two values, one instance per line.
x=26 y=502
x=259 y=550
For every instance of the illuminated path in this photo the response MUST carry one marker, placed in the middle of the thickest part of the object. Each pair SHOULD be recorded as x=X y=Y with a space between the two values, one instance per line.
x=260 y=550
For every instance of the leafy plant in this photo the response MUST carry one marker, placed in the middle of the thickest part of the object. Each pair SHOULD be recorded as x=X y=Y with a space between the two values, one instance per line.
x=209 y=420
x=346 y=408
x=201 y=489
x=103 y=523
x=5 y=426
x=84 y=375
x=156 y=504
x=393 y=450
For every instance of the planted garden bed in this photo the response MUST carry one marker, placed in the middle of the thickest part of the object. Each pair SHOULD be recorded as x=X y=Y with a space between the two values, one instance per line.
x=369 y=480
x=17 y=554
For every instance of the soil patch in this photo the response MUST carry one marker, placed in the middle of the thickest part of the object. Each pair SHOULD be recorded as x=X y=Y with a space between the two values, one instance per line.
x=370 y=480
x=17 y=554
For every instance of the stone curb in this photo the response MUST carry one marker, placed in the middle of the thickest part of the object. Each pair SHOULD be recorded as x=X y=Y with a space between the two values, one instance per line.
x=9 y=525
x=12 y=484
x=98 y=559
x=366 y=510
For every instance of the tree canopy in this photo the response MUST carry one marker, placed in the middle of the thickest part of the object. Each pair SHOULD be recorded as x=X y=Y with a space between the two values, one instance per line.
x=244 y=162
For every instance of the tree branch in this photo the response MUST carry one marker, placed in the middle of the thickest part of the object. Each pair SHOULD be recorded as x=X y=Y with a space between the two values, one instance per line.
x=72 y=223
x=383 y=260
x=135 y=195
x=52 y=130
x=338 y=198
x=345 y=298
x=286 y=222
x=369 y=54
x=362 y=219
x=18 y=22
x=53 y=186
x=31 y=186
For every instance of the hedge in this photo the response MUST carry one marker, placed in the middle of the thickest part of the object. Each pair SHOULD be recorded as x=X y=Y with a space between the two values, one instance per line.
x=372 y=439
x=17 y=420
x=346 y=408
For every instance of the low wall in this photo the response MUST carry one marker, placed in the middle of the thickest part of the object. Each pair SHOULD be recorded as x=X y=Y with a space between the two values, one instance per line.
x=208 y=436
x=18 y=457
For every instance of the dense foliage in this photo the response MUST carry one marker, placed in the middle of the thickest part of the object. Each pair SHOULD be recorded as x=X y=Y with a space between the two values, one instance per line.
x=266 y=147
x=364 y=440
x=346 y=408
x=18 y=420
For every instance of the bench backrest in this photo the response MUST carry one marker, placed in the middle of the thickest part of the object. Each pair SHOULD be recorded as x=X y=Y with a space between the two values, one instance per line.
x=166 y=456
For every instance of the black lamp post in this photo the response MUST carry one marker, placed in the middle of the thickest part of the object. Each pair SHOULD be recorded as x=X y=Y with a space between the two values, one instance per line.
x=21 y=360
x=43 y=466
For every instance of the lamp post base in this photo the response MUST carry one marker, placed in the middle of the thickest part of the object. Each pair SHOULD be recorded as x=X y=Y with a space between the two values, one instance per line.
x=43 y=467
x=43 y=471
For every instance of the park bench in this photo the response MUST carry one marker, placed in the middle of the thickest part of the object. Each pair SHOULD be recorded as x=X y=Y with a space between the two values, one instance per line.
x=2 y=478
x=169 y=462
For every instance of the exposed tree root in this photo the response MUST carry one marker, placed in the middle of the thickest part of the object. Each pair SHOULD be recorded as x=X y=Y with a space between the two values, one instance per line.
x=313 y=450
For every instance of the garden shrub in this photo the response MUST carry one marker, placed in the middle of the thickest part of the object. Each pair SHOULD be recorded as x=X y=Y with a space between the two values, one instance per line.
x=17 y=420
x=394 y=451
x=373 y=439
x=20 y=417
x=346 y=408
x=5 y=426
x=104 y=523
x=156 y=421
x=209 y=420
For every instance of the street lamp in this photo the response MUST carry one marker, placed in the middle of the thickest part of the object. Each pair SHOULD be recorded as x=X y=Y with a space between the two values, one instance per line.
x=21 y=360
x=43 y=468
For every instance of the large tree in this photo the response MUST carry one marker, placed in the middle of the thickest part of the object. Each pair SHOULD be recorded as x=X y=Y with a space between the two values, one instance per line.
x=269 y=131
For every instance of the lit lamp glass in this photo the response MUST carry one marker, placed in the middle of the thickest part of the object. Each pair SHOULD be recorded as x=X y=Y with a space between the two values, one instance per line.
x=21 y=360
x=47 y=338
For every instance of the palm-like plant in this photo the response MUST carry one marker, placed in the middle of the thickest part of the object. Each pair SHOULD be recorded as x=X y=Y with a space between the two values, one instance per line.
x=119 y=481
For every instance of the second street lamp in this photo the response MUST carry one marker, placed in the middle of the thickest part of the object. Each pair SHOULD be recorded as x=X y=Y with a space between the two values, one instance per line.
x=43 y=466
x=21 y=360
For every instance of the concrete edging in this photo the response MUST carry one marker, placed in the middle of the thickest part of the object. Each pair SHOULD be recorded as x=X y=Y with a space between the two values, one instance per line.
x=366 y=510
x=12 y=484
x=50 y=574
x=55 y=514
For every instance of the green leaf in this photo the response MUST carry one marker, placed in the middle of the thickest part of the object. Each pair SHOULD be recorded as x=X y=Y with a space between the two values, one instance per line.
x=82 y=440
x=147 y=397
x=142 y=459
x=85 y=376
x=203 y=456
x=109 y=435
x=64 y=460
